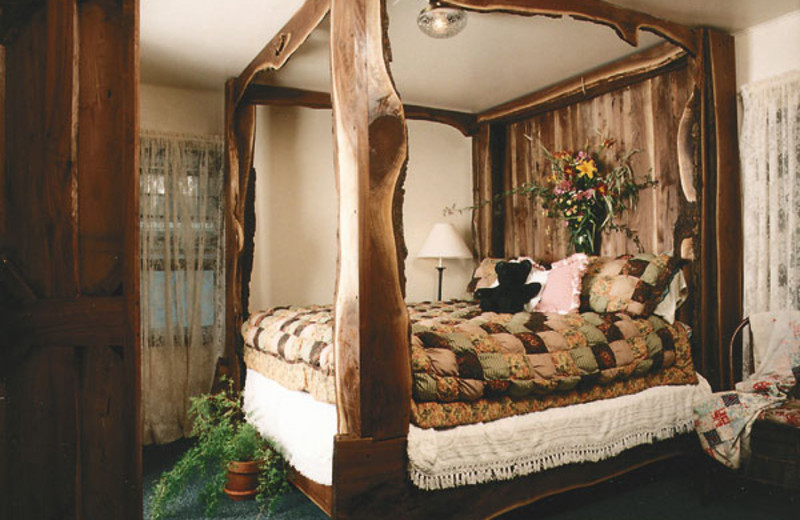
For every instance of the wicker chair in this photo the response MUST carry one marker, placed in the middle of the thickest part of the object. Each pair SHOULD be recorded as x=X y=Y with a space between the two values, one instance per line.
x=775 y=437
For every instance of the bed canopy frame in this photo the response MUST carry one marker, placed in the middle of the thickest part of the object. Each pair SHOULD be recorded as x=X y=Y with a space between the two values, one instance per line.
x=372 y=331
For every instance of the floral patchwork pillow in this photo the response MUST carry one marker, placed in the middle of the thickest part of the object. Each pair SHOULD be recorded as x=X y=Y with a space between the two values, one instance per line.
x=633 y=284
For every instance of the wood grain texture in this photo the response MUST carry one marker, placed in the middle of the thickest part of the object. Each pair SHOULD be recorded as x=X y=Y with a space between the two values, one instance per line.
x=239 y=146
x=320 y=494
x=721 y=247
x=371 y=332
x=481 y=191
x=14 y=15
x=259 y=94
x=596 y=82
x=74 y=183
x=110 y=484
x=85 y=321
x=40 y=181
x=643 y=116
x=626 y=22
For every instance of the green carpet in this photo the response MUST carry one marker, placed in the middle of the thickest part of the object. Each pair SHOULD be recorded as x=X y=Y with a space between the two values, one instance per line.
x=668 y=491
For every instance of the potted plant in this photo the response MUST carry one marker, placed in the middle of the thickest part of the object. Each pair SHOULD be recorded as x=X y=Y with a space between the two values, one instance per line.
x=226 y=444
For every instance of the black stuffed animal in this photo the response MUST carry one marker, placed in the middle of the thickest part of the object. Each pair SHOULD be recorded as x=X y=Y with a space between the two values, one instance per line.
x=512 y=292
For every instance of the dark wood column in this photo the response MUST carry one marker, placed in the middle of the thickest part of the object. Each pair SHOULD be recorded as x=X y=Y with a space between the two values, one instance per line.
x=721 y=204
x=69 y=358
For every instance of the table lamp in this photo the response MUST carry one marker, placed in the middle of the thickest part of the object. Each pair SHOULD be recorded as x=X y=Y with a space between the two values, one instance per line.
x=444 y=242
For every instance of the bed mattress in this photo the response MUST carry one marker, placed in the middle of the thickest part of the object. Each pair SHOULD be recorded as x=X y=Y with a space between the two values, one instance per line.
x=304 y=428
x=470 y=367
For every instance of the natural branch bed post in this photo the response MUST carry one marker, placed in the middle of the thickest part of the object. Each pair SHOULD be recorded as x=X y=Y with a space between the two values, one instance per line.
x=373 y=373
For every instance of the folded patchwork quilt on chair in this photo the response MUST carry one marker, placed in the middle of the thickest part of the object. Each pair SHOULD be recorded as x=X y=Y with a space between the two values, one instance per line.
x=723 y=422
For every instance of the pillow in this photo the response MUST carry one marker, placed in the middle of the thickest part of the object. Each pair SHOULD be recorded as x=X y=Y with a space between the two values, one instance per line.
x=561 y=290
x=631 y=284
x=484 y=275
x=676 y=294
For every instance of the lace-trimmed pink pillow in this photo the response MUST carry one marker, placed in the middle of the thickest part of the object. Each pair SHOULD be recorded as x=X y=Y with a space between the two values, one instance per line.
x=562 y=292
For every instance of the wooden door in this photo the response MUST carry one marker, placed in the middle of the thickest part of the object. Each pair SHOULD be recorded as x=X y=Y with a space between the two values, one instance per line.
x=69 y=282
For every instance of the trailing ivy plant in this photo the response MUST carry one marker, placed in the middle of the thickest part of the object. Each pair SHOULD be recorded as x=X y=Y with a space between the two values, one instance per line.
x=222 y=436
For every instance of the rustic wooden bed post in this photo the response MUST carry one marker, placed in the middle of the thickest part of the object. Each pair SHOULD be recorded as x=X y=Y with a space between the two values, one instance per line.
x=373 y=374
x=240 y=118
x=240 y=128
x=721 y=252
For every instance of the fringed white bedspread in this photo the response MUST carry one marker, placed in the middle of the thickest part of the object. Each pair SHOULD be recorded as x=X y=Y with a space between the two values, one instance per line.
x=517 y=446
x=478 y=453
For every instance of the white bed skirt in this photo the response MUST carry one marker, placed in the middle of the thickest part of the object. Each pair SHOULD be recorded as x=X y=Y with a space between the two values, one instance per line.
x=507 y=448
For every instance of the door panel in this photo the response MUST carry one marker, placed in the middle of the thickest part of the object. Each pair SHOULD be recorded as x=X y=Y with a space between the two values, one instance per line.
x=69 y=276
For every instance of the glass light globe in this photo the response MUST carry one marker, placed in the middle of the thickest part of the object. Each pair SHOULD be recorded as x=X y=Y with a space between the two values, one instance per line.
x=441 y=22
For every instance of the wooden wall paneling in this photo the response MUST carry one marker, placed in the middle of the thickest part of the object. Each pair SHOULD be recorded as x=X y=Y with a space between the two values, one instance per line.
x=481 y=191
x=110 y=485
x=498 y=147
x=625 y=22
x=629 y=116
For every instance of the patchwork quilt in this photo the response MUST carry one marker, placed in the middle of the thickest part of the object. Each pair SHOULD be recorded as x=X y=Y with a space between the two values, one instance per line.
x=470 y=367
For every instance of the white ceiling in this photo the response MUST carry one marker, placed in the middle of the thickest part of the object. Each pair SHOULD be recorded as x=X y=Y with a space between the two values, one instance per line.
x=201 y=43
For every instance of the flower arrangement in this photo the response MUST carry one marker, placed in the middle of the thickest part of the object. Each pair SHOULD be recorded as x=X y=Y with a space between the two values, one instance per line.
x=587 y=193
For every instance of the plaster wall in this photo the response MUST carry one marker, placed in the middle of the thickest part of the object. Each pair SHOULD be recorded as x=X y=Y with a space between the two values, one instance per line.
x=296 y=215
x=184 y=111
x=768 y=49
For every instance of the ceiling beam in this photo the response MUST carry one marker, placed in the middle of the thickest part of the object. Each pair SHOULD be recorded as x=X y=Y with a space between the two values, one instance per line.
x=626 y=22
x=259 y=94
x=283 y=45
x=616 y=75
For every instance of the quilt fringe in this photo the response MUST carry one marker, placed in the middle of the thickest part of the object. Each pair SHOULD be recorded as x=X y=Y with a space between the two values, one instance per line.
x=510 y=469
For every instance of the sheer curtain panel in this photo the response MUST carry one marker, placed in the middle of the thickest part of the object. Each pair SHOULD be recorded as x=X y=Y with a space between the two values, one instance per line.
x=182 y=278
x=770 y=153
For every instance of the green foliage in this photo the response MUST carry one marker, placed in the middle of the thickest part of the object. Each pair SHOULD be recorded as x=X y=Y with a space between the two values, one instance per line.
x=272 y=482
x=588 y=191
x=222 y=436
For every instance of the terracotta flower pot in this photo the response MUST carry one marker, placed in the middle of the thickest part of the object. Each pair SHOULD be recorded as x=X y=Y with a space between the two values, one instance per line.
x=242 y=480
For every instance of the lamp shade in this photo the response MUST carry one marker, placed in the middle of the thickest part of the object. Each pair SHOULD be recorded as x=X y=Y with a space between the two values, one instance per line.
x=444 y=242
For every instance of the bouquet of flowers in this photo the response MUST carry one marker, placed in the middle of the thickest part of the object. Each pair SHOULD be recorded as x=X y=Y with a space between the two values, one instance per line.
x=587 y=194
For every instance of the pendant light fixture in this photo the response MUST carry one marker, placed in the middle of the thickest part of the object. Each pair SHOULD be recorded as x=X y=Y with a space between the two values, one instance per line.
x=439 y=21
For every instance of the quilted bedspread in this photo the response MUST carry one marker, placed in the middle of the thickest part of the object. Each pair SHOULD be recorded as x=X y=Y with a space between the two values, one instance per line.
x=469 y=366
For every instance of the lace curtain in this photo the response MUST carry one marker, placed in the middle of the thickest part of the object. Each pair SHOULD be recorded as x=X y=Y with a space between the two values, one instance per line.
x=182 y=276
x=770 y=153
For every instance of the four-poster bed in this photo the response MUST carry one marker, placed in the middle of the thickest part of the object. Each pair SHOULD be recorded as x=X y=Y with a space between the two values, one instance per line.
x=693 y=73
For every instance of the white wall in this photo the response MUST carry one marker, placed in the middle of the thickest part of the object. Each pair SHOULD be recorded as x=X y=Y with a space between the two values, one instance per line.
x=296 y=222
x=768 y=49
x=175 y=110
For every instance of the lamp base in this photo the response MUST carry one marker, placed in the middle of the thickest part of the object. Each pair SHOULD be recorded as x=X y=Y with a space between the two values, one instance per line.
x=440 y=268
